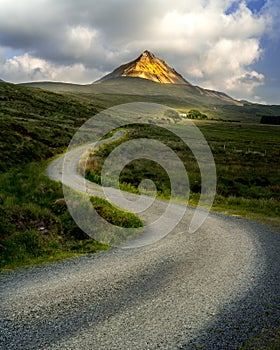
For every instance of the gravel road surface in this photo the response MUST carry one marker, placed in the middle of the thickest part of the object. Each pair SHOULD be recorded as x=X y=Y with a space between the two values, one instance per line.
x=211 y=289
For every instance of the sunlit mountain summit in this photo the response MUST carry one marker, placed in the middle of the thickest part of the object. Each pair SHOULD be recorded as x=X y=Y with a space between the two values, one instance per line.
x=148 y=66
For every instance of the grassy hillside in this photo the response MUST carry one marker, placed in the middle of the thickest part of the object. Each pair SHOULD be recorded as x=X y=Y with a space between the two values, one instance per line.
x=36 y=124
x=35 y=225
x=246 y=160
x=127 y=89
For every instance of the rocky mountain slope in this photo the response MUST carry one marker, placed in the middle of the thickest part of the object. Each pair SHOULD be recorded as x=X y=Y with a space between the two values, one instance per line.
x=148 y=66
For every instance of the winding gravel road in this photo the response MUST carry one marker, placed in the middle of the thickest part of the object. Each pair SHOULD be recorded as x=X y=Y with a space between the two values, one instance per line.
x=212 y=289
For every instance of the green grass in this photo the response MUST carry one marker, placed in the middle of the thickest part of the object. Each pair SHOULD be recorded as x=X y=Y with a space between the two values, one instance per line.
x=114 y=215
x=35 y=224
x=36 y=124
x=246 y=158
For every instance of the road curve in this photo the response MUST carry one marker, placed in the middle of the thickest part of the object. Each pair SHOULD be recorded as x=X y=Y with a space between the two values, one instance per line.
x=210 y=290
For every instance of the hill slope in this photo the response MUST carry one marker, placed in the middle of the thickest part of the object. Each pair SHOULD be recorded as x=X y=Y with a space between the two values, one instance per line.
x=149 y=79
x=36 y=124
x=183 y=97
x=146 y=76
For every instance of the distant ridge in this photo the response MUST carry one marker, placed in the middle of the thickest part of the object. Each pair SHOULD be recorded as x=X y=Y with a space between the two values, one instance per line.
x=150 y=79
x=148 y=66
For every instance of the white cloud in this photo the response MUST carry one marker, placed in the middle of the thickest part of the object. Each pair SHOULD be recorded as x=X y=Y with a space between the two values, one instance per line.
x=27 y=68
x=227 y=65
x=82 y=40
x=214 y=48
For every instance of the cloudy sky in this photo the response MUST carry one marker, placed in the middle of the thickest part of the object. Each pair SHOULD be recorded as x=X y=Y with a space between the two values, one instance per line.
x=227 y=45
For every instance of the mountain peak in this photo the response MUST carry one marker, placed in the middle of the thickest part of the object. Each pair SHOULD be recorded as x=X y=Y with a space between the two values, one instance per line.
x=148 y=66
x=147 y=54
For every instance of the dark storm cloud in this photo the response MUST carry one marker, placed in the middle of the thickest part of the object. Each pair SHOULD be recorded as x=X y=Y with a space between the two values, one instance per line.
x=46 y=29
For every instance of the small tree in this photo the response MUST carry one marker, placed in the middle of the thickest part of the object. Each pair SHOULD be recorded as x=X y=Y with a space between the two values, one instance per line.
x=195 y=114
